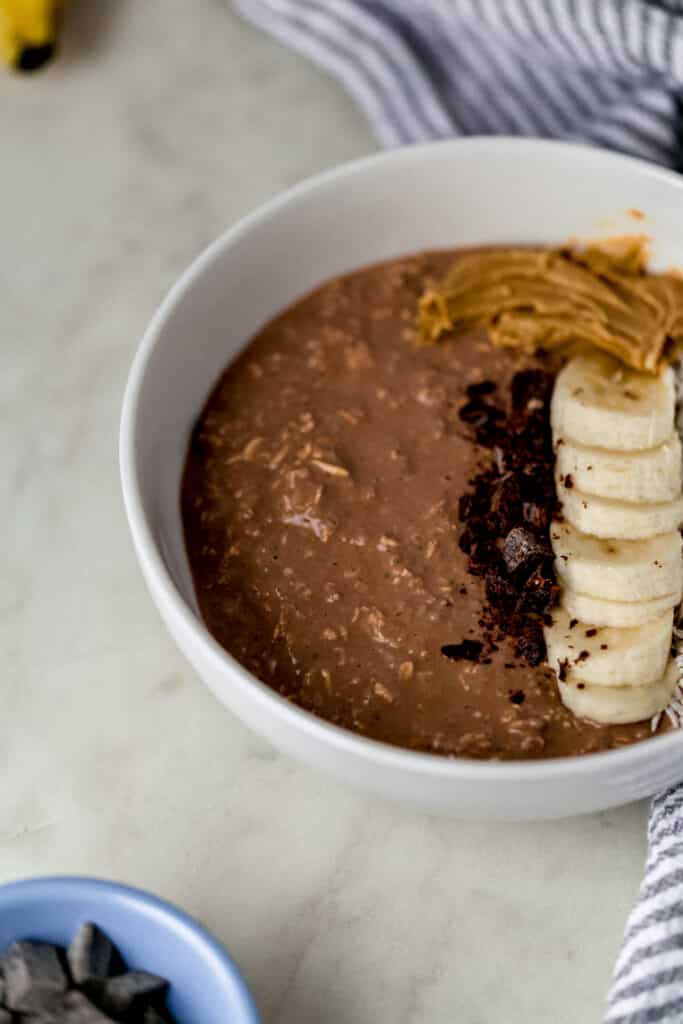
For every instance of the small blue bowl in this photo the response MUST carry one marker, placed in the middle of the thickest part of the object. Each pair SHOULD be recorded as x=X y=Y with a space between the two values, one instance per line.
x=205 y=985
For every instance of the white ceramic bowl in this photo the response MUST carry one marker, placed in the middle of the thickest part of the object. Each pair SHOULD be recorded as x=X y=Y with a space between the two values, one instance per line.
x=446 y=194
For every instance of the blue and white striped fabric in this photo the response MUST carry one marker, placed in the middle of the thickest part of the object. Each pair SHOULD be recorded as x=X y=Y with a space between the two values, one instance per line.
x=647 y=987
x=603 y=71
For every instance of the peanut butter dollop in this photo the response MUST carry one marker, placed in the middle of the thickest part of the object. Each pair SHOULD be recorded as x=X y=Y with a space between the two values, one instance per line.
x=534 y=299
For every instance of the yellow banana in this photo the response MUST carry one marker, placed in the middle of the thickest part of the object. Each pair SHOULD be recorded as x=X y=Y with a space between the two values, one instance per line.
x=28 y=32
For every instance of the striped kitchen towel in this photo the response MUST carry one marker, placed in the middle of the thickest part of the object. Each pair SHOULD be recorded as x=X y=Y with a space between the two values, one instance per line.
x=647 y=987
x=603 y=71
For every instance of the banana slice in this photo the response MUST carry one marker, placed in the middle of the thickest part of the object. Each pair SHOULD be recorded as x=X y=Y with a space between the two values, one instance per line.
x=650 y=476
x=617 y=570
x=597 y=401
x=604 y=656
x=617 y=614
x=604 y=517
x=619 y=705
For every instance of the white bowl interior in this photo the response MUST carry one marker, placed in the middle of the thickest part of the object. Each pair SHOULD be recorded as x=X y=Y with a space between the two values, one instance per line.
x=441 y=195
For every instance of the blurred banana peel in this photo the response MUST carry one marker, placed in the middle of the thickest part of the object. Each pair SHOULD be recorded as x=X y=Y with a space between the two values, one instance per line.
x=29 y=30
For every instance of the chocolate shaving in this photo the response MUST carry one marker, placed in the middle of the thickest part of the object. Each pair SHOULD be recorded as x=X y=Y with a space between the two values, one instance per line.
x=535 y=515
x=468 y=650
x=506 y=512
x=523 y=547
x=484 y=387
x=531 y=645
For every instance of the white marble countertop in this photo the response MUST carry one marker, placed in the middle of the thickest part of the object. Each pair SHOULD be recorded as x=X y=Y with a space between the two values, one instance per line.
x=161 y=123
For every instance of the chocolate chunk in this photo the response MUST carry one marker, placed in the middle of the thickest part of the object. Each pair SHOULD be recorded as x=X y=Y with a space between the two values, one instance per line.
x=477 y=413
x=485 y=387
x=591 y=632
x=130 y=991
x=531 y=645
x=468 y=650
x=483 y=554
x=151 y=1016
x=528 y=385
x=465 y=507
x=500 y=592
x=489 y=433
x=74 y=1008
x=569 y=481
x=517 y=697
x=90 y=954
x=536 y=515
x=465 y=541
x=505 y=498
x=562 y=667
x=522 y=547
x=536 y=485
x=507 y=510
x=540 y=593
x=34 y=977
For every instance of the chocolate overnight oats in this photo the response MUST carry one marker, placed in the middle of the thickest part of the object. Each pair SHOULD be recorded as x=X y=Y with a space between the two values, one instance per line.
x=380 y=526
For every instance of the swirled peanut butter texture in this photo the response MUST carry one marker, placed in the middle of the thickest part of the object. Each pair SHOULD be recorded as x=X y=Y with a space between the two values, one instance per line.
x=543 y=299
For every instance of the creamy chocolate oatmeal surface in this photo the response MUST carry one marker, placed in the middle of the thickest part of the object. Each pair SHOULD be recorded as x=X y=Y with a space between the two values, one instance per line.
x=320 y=502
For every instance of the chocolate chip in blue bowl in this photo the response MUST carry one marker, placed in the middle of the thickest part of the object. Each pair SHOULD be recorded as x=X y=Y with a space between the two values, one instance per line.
x=34 y=976
x=91 y=954
x=130 y=992
x=35 y=980
x=74 y=1008
x=152 y=1016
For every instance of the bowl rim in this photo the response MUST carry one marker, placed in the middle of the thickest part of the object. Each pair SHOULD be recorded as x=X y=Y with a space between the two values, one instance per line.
x=45 y=888
x=164 y=589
